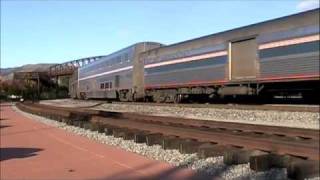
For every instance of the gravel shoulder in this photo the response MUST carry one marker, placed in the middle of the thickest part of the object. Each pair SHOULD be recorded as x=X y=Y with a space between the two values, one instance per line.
x=71 y=103
x=309 y=120
x=212 y=166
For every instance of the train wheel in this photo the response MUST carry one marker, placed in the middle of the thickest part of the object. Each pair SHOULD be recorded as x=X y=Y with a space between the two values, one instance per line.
x=160 y=99
x=85 y=96
x=82 y=96
x=123 y=96
x=177 y=98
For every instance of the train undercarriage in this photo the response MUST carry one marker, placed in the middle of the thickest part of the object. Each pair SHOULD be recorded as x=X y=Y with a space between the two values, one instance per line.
x=299 y=92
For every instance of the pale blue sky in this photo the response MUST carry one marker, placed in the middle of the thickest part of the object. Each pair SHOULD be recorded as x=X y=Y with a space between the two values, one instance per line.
x=60 y=31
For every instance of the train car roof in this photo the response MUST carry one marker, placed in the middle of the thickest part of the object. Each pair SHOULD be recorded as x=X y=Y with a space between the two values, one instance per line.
x=236 y=29
x=106 y=56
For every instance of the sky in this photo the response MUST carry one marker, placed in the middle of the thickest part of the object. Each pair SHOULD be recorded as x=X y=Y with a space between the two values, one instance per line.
x=34 y=31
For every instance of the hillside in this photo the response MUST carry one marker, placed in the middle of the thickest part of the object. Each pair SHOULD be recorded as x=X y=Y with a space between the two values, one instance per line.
x=7 y=73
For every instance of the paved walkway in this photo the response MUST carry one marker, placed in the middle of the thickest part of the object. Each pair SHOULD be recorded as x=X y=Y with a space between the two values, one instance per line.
x=32 y=150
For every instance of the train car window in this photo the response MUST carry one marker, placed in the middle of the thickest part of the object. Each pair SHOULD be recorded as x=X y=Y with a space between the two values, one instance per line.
x=102 y=86
x=126 y=57
x=107 y=85
x=110 y=62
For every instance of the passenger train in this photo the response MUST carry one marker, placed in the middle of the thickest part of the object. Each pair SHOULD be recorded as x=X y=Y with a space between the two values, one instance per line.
x=275 y=57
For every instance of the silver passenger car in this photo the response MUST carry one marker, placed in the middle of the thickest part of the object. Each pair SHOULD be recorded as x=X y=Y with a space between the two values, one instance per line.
x=112 y=76
x=280 y=55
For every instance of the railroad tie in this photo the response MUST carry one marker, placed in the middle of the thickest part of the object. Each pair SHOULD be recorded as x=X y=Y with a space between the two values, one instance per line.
x=212 y=150
x=171 y=142
x=140 y=137
x=240 y=156
x=154 y=138
x=189 y=146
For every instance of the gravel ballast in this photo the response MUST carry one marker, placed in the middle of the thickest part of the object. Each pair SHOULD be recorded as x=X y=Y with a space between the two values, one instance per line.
x=274 y=118
x=212 y=166
x=308 y=120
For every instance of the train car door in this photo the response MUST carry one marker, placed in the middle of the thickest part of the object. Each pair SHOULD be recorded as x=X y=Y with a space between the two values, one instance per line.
x=243 y=56
x=117 y=81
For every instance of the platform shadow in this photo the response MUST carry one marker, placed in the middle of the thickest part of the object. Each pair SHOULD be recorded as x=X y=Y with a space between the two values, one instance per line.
x=6 y=105
x=8 y=153
x=4 y=126
x=28 y=131
x=168 y=174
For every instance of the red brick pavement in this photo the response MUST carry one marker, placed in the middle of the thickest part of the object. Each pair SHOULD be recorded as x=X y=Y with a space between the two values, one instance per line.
x=32 y=150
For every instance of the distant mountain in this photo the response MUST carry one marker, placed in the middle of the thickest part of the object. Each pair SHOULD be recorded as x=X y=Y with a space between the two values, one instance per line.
x=7 y=73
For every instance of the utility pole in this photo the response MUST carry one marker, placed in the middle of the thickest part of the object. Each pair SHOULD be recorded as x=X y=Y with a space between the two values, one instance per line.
x=57 y=86
x=38 y=86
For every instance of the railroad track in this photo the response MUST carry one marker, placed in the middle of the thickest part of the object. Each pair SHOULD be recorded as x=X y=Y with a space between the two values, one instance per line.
x=264 y=107
x=264 y=147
